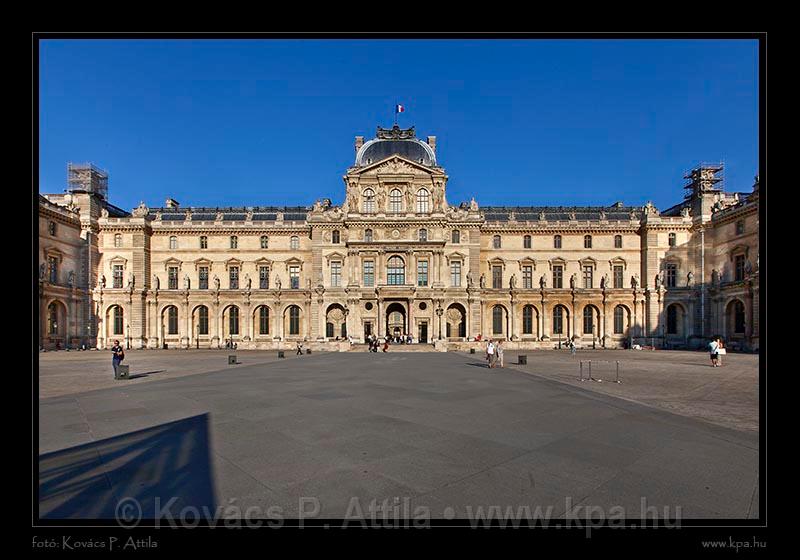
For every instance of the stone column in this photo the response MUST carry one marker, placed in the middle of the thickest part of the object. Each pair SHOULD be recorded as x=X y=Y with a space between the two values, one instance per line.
x=379 y=325
x=545 y=321
x=604 y=324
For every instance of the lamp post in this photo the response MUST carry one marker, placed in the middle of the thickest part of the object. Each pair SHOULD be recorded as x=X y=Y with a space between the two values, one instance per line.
x=128 y=331
x=197 y=335
x=439 y=313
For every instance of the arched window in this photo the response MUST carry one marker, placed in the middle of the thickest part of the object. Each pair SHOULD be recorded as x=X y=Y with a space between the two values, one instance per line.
x=263 y=320
x=619 y=320
x=496 y=243
x=588 y=320
x=672 y=319
x=618 y=242
x=234 y=242
x=264 y=242
x=558 y=320
x=396 y=271
x=173 y=242
x=294 y=320
x=527 y=319
x=118 y=318
x=368 y=235
x=423 y=197
x=587 y=241
x=369 y=201
x=672 y=239
x=233 y=321
x=202 y=320
x=395 y=201
x=423 y=234
x=172 y=320
x=526 y=242
x=294 y=242
x=335 y=236
x=118 y=240
x=557 y=242
x=456 y=236
x=52 y=319
x=497 y=320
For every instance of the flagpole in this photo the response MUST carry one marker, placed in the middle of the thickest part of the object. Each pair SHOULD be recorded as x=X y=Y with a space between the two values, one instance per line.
x=395 y=112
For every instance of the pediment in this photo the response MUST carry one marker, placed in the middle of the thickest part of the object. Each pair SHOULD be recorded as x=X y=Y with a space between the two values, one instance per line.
x=457 y=256
x=335 y=256
x=394 y=165
x=527 y=261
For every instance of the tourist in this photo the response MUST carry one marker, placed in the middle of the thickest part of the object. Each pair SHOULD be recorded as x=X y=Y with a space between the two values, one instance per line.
x=720 y=351
x=500 y=352
x=713 y=348
x=490 y=353
x=117 y=357
x=299 y=348
x=385 y=344
x=573 y=348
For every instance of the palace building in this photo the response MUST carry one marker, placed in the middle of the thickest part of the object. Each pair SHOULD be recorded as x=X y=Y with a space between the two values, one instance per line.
x=398 y=258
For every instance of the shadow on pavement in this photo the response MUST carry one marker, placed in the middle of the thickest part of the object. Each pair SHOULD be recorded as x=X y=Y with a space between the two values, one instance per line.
x=138 y=471
x=144 y=374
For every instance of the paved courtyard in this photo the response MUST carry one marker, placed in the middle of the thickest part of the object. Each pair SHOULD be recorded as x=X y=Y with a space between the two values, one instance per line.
x=327 y=434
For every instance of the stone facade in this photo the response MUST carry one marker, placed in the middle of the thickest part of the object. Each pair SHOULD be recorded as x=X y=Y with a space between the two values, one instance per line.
x=396 y=257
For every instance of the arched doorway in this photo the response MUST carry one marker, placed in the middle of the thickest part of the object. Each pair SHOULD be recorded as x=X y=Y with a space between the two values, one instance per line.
x=396 y=320
x=676 y=321
x=335 y=322
x=56 y=329
x=456 y=321
x=735 y=320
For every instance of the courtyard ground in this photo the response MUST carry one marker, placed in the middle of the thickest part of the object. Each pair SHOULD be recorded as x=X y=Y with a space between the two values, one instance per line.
x=329 y=433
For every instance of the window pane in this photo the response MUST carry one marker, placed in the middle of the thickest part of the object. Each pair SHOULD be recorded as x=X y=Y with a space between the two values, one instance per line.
x=588 y=320
x=369 y=273
x=497 y=320
x=455 y=274
x=234 y=278
x=422 y=273
x=336 y=274
x=497 y=277
x=203 y=320
x=263 y=277
x=558 y=276
x=396 y=271
x=587 y=277
x=203 y=276
x=294 y=277
x=557 y=242
x=558 y=317
x=527 y=277
x=422 y=201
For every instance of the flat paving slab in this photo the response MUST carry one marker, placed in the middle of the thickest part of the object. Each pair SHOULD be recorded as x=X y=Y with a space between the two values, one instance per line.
x=431 y=434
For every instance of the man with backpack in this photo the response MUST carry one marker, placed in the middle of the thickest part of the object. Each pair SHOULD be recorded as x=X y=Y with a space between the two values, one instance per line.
x=118 y=354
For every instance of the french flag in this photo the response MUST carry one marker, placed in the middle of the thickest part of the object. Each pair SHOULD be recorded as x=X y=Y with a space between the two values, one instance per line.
x=399 y=109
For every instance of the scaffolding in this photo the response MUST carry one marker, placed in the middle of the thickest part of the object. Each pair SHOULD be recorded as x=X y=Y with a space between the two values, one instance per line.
x=87 y=178
x=704 y=177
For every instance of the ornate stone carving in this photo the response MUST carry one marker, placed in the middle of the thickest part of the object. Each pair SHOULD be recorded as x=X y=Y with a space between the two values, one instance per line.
x=685 y=211
x=396 y=133
x=42 y=271
x=140 y=211
x=104 y=212
x=277 y=282
x=216 y=282
x=156 y=282
x=186 y=282
x=102 y=281
x=71 y=279
x=483 y=281
x=689 y=279
x=543 y=281
x=512 y=283
x=470 y=279
x=131 y=280
x=473 y=205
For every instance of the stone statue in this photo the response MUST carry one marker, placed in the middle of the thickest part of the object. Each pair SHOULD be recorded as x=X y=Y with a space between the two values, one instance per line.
x=634 y=283
x=473 y=205
x=71 y=279
x=42 y=271
x=604 y=281
x=512 y=283
x=102 y=280
x=572 y=216
x=140 y=210
x=131 y=279
x=104 y=212
x=409 y=200
x=685 y=212
x=482 y=281
x=636 y=278
x=689 y=279
x=543 y=281
x=216 y=282
x=715 y=277
x=353 y=203
x=308 y=284
x=277 y=282
x=572 y=281
x=186 y=281
x=757 y=255
x=381 y=200
x=602 y=215
x=470 y=279
x=248 y=281
x=658 y=281
x=542 y=217
x=748 y=267
x=156 y=282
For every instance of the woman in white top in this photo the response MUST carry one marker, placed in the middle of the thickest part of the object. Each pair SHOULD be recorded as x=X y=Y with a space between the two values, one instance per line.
x=490 y=354
x=713 y=348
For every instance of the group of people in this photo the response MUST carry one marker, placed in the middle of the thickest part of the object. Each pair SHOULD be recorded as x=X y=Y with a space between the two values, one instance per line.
x=374 y=342
x=716 y=348
x=494 y=353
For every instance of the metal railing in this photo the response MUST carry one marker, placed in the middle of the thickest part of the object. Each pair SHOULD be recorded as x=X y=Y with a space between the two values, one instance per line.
x=589 y=377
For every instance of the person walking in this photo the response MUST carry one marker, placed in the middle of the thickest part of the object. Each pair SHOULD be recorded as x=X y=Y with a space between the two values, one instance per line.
x=299 y=348
x=500 y=352
x=118 y=354
x=490 y=353
x=720 y=351
x=573 y=349
x=386 y=343
x=713 y=348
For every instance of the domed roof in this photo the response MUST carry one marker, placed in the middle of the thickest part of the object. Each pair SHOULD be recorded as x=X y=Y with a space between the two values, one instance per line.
x=395 y=141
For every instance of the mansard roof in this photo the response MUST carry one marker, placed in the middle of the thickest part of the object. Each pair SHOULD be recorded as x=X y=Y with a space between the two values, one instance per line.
x=554 y=213
x=395 y=141
x=231 y=213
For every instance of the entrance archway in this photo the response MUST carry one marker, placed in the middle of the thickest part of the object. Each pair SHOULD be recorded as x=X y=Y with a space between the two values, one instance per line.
x=396 y=319
x=456 y=321
x=335 y=322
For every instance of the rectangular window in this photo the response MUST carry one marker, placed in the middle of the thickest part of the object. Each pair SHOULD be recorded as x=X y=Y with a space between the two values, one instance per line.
x=740 y=227
x=618 y=277
x=369 y=273
x=527 y=277
x=739 y=267
x=294 y=277
x=455 y=274
x=263 y=277
x=173 y=278
x=336 y=274
x=233 y=277
x=558 y=276
x=52 y=263
x=422 y=273
x=202 y=325
x=234 y=242
x=672 y=275
x=558 y=321
x=203 y=242
x=203 y=276
x=497 y=277
x=118 y=276
x=587 y=276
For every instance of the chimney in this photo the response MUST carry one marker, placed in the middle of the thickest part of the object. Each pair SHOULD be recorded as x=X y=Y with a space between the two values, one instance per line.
x=432 y=143
x=359 y=142
x=171 y=203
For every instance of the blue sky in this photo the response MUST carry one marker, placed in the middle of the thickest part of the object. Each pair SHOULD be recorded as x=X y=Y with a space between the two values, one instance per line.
x=518 y=122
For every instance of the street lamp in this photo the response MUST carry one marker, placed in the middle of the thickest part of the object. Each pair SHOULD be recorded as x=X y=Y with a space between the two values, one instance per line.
x=439 y=313
x=197 y=335
x=128 y=331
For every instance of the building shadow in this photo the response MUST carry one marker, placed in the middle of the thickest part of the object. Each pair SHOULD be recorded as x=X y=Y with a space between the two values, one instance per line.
x=161 y=469
x=144 y=374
